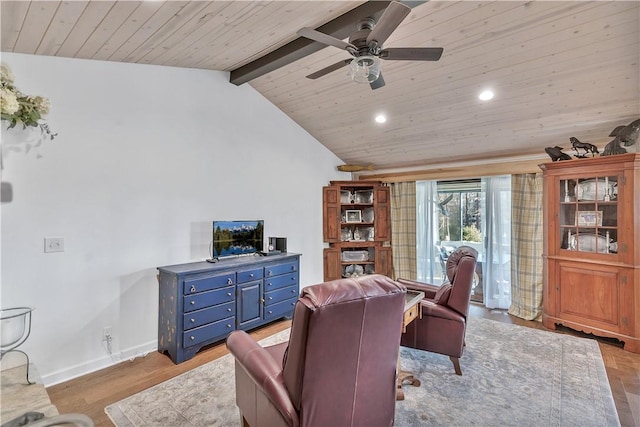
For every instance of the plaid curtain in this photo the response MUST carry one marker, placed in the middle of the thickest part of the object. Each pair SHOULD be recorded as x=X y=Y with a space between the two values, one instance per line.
x=403 y=228
x=526 y=246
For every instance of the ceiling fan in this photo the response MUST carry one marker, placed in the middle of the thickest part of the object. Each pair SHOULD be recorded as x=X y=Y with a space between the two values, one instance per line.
x=365 y=45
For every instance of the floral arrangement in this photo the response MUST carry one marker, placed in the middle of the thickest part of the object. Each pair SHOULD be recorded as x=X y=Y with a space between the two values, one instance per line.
x=16 y=107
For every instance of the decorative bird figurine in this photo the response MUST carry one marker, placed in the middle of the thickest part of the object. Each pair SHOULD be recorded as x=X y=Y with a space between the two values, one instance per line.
x=556 y=154
x=354 y=168
x=625 y=136
x=617 y=129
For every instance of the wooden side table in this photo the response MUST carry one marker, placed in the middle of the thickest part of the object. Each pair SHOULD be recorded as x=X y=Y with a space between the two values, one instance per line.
x=412 y=310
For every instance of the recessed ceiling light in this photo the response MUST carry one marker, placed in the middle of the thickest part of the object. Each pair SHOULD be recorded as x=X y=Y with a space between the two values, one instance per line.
x=381 y=118
x=486 y=95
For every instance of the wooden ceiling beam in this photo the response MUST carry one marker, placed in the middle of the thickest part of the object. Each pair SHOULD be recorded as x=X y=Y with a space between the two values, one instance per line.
x=509 y=166
x=340 y=27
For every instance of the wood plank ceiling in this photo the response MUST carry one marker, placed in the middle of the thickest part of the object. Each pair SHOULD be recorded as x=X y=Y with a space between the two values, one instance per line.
x=558 y=68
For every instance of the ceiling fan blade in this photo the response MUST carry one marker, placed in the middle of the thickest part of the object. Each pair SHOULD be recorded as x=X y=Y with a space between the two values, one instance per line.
x=377 y=83
x=412 y=53
x=393 y=15
x=323 y=38
x=329 y=69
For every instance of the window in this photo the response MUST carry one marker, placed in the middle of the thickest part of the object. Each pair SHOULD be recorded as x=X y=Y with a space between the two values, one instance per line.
x=459 y=222
x=462 y=212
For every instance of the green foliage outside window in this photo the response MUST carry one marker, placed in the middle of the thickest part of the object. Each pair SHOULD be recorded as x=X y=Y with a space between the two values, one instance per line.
x=471 y=234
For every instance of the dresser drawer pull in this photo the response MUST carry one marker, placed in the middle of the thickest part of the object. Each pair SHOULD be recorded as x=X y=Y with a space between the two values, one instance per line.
x=293 y=268
x=192 y=303
x=270 y=312
x=228 y=325
x=270 y=298
x=193 y=288
x=270 y=273
x=250 y=274
x=192 y=338
x=293 y=279
x=293 y=291
x=269 y=284
x=193 y=320
x=229 y=281
x=229 y=310
x=228 y=294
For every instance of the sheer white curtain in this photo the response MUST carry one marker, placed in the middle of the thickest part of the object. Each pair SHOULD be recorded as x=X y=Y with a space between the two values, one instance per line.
x=427 y=212
x=496 y=263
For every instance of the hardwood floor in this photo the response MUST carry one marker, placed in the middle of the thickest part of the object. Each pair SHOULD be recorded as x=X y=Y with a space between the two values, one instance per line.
x=91 y=393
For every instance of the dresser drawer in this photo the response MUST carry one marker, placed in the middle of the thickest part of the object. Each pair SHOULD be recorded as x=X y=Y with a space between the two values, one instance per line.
x=207 y=332
x=194 y=285
x=280 y=295
x=280 y=309
x=249 y=275
x=278 y=269
x=207 y=315
x=273 y=283
x=209 y=298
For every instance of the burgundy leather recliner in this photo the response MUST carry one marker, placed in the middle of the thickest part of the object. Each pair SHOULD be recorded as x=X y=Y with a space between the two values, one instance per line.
x=339 y=366
x=444 y=309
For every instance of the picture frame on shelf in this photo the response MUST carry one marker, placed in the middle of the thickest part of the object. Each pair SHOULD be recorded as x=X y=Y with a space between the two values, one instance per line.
x=589 y=218
x=353 y=216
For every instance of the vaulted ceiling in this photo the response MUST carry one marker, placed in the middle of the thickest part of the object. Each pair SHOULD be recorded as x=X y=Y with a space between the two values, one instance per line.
x=558 y=68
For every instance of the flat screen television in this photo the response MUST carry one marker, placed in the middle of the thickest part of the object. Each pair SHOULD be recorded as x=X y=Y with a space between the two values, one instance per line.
x=237 y=237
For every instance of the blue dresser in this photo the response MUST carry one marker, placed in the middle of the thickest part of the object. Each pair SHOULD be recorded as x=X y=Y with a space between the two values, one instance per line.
x=201 y=303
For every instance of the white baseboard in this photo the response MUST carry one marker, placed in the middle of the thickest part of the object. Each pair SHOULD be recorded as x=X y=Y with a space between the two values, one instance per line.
x=98 y=364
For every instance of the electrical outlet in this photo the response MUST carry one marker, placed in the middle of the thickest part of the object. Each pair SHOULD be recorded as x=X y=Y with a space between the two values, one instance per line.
x=107 y=333
x=53 y=244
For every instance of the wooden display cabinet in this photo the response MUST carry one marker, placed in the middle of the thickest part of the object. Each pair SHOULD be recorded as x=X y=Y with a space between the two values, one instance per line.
x=357 y=227
x=592 y=246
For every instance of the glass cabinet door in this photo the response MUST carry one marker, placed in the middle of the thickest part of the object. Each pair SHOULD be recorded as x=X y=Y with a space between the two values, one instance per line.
x=588 y=214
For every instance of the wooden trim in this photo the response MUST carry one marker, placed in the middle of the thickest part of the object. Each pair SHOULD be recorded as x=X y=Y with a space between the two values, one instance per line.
x=458 y=171
x=631 y=160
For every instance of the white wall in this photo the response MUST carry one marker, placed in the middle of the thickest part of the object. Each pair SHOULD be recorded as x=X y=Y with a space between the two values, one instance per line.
x=145 y=159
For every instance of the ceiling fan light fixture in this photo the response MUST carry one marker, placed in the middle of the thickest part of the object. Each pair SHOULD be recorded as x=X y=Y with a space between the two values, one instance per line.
x=365 y=69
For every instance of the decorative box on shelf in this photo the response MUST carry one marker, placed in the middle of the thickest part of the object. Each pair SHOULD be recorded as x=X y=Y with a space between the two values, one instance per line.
x=355 y=256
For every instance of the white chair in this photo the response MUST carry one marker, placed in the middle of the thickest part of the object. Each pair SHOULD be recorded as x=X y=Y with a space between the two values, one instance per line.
x=15 y=327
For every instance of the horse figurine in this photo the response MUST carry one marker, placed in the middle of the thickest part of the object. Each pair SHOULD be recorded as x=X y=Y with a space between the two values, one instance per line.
x=588 y=148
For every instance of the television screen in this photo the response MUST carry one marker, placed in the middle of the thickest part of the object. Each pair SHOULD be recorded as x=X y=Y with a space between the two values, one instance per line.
x=237 y=237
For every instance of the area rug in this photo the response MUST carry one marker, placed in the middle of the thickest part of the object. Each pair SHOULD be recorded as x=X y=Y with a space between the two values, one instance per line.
x=511 y=376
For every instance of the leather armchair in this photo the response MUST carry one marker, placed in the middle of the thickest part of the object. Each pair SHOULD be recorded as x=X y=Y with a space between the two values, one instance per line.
x=339 y=366
x=444 y=309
